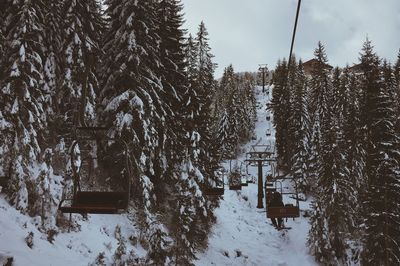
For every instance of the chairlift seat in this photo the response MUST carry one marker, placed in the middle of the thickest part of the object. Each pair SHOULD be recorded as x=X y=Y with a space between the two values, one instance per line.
x=287 y=211
x=235 y=187
x=215 y=191
x=96 y=202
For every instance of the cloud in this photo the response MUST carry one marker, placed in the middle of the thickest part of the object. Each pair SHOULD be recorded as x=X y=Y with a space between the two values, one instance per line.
x=248 y=33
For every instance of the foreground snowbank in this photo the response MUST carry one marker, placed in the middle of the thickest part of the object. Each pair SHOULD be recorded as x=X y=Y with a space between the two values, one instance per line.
x=96 y=235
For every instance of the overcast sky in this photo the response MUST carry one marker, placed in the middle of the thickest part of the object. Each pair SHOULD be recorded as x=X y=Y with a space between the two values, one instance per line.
x=251 y=32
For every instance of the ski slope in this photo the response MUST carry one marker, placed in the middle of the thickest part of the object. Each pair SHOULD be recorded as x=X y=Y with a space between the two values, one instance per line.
x=243 y=235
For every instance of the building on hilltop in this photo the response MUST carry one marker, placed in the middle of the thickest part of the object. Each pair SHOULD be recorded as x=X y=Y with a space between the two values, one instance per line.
x=312 y=64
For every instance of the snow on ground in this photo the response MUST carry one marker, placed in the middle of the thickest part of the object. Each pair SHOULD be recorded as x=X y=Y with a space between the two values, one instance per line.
x=243 y=235
x=74 y=248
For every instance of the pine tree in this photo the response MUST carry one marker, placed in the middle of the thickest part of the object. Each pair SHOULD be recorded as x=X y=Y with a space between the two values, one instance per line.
x=81 y=51
x=397 y=78
x=300 y=127
x=223 y=134
x=332 y=210
x=191 y=214
x=351 y=144
x=2 y=42
x=130 y=99
x=208 y=158
x=397 y=69
x=172 y=72
x=320 y=83
x=381 y=209
x=52 y=56
x=22 y=108
x=280 y=103
x=227 y=124
x=191 y=99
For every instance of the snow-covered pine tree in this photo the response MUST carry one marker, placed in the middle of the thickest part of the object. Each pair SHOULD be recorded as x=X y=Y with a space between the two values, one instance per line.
x=225 y=88
x=3 y=123
x=318 y=84
x=280 y=104
x=397 y=69
x=173 y=77
x=81 y=52
x=190 y=220
x=233 y=109
x=52 y=57
x=133 y=94
x=249 y=91
x=300 y=127
x=397 y=77
x=338 y=97
x=208 y=157
x=331 y=209
x=381 y=208
x=191 y=99
x=289 y=131
x=181 y=99
x=21 y=78
x=227 y=124
x=352 y=144
x=2 y=41
x=131 y=105
x=244 y=118
x=223 y=134
x=326 y=175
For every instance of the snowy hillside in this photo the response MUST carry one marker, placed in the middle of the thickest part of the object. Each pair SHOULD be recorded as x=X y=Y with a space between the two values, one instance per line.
x=97 y=234
x=243 y=235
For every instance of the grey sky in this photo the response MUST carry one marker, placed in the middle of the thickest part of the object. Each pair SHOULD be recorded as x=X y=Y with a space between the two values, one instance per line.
x=250 y=32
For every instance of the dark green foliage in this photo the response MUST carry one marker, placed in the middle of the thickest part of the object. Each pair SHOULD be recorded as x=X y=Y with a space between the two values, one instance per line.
x=235 y=111
x=81 y=52
x=173 y=78
x=353 y=162
x=22 y=97
x=281 y=109
x=334 y=188
x=382 y=165
x=300 y=128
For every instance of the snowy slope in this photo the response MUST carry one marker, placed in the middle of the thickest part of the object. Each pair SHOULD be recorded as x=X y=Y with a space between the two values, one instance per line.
x=243 y=235
x=74 y=248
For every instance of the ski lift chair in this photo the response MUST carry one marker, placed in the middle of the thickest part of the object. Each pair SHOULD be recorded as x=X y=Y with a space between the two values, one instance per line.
x=250 y=178
x=97 y=202
x=218 y=187
x=235 y=182
x=286 y=211
x=243 y=176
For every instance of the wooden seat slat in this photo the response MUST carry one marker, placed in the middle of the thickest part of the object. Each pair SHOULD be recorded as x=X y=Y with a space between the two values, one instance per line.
x=217 y=191
x=88 y=209
x=283 y=212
